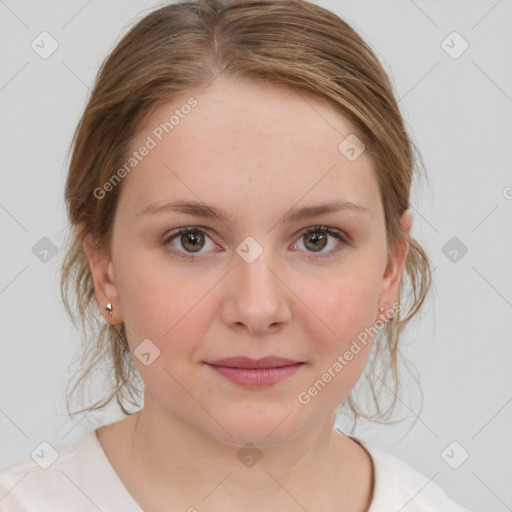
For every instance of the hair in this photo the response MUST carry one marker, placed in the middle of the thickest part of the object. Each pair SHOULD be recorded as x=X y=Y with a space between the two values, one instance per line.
x=292 y=44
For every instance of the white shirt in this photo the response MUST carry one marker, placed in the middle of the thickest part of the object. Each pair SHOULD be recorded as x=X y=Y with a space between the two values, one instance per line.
x=81 y=479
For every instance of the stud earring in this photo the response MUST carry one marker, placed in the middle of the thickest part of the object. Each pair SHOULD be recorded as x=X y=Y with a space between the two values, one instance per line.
x=108 y=307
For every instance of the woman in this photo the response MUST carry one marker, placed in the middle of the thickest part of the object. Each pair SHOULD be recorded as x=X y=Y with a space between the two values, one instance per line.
x=239 y=187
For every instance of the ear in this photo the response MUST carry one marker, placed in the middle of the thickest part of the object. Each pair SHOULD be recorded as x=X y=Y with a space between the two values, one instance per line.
x=394 y=269
x=102 y=270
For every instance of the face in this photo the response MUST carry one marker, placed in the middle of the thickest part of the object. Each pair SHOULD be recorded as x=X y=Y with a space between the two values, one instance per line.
x=249 y=281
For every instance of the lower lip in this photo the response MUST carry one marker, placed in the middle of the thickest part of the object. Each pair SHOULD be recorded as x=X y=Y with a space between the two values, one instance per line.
x=256 y=377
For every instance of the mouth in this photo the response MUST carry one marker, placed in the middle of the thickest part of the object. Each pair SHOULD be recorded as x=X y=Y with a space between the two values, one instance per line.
x=247 y=362
x=255 y=373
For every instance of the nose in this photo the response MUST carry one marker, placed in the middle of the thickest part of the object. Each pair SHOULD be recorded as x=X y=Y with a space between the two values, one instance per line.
x=257 y=298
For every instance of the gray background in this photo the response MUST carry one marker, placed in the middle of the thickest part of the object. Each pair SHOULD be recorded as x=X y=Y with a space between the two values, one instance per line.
x=459 y=113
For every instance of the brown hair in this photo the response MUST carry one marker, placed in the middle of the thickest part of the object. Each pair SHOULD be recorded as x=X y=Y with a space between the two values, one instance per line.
x=287 y=43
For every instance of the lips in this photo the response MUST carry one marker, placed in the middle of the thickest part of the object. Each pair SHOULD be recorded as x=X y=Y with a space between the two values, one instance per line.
x=247 y=362
x=255 y=373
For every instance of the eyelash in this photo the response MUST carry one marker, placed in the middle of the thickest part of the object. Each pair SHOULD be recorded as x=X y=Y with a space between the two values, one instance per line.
x=336 y=233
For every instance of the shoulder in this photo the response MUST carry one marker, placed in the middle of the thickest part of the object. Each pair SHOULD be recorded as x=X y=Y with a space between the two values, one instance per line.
x=75 y=476
x=47 y=480
x=398 y=486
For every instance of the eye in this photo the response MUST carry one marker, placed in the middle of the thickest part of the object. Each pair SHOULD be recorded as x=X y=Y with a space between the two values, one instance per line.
x=192 y=240
x=317 y=239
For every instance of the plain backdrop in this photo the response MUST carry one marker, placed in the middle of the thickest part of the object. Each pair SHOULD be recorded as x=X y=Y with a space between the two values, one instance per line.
x=455 y=93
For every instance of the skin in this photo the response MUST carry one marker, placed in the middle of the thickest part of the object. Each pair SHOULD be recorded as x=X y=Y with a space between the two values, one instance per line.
x=255 y=151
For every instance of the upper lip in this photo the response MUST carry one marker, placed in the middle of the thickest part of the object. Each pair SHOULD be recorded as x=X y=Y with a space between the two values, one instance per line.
x=247 y=362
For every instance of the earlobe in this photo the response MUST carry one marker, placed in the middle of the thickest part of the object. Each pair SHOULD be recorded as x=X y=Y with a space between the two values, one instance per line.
x=105 y=287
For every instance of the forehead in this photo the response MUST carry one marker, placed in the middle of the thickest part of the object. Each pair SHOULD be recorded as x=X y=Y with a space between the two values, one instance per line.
x=250 y=145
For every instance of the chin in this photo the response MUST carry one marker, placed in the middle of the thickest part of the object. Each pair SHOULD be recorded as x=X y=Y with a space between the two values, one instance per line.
x=268 y=428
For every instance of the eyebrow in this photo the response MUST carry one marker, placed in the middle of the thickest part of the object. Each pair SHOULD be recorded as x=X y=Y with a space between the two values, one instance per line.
x=210 y=212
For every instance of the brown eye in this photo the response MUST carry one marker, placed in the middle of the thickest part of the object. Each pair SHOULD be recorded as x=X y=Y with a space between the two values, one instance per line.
x=192 y=241
x=187 y=242
x=315 y=240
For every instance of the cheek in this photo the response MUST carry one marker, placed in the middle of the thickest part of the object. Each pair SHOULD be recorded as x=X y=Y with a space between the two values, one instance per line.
x=169 y=308
x=343 y=307
x=172 y=315
x=341 y=343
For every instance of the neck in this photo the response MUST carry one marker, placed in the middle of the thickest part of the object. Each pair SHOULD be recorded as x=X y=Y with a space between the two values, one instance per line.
x=319 y=469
